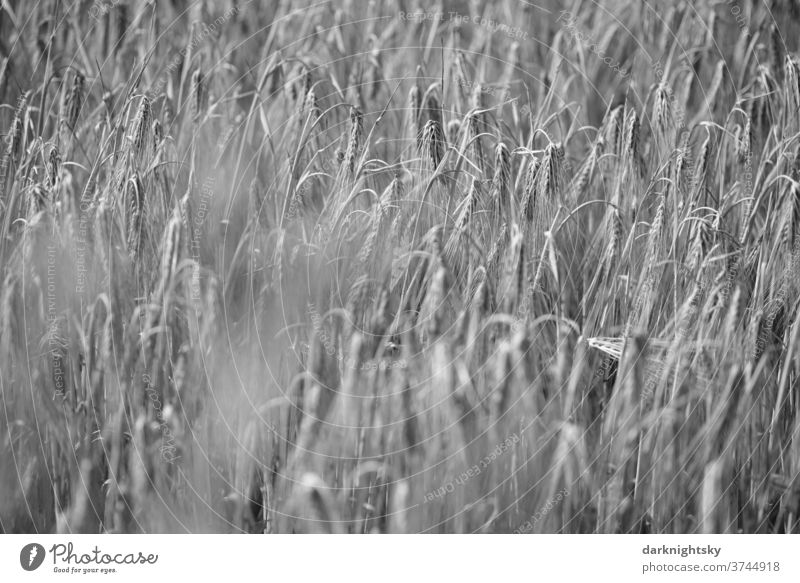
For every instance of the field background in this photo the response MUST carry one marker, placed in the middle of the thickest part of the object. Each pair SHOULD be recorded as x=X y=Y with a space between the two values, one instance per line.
x=394 y=266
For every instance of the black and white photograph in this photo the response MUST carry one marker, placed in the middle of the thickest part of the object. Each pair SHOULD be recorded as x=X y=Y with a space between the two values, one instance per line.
x=400 y=267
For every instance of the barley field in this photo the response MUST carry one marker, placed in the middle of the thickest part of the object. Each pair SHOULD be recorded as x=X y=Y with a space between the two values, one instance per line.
x=393 y=266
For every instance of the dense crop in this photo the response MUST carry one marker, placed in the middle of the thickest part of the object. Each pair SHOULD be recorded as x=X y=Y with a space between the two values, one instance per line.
x=386 y=267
